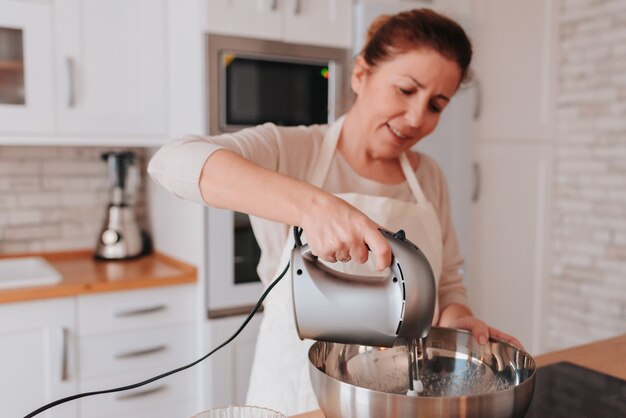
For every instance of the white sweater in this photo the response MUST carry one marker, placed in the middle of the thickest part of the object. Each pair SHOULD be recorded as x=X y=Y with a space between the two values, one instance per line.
x=294 y=151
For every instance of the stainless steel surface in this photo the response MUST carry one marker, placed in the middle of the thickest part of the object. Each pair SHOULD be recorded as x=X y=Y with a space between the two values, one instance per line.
x=333 y=306
x=64 y=353
x=141 y=352
x=461 y=378
x=71 y=81
x=477 y=180
x=337 y=60
x=120 y=236
x=140 y=311
x=142 y=393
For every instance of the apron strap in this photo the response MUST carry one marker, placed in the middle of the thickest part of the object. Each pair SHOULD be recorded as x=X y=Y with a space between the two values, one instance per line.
x=411 y=179
x=329 y=145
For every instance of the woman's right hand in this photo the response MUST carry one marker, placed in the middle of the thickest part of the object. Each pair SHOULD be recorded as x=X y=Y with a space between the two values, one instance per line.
x=337 y=231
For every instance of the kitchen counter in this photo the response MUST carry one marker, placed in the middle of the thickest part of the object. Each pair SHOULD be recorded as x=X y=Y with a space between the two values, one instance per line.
x=84 y=275
x=606 y=356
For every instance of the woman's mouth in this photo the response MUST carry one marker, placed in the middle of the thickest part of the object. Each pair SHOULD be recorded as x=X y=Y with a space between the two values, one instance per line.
x=401 y=137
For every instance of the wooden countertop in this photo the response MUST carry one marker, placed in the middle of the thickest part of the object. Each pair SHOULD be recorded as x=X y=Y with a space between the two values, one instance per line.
x=84 y=275
x=606 y=356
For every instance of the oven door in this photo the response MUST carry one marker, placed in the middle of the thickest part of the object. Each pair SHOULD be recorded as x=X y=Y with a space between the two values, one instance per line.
x=233 y=286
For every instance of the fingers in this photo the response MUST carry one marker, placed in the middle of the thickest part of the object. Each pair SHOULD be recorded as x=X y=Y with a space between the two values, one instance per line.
x=506 y=337
x=380 y=247
x=480 y=331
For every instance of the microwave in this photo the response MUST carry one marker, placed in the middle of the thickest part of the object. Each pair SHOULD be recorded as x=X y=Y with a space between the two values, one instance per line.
x=251 y=82
x=254 y=81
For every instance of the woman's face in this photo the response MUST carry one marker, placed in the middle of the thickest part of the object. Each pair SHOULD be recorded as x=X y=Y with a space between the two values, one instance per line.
x=399 y=101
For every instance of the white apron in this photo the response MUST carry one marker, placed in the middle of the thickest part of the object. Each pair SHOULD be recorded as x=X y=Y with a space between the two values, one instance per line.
x=280 y=375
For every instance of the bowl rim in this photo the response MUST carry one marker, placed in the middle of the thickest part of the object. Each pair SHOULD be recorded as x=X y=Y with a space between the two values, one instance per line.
x=529 y=381
x=225 y=408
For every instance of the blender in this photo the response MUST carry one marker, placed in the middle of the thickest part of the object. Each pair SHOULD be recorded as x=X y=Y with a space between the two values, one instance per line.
x=120 y=237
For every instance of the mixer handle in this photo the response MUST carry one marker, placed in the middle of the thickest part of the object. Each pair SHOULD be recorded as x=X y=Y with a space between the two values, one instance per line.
x=297 y=234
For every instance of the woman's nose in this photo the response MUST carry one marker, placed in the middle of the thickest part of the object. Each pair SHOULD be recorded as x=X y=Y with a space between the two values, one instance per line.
x=415 y=114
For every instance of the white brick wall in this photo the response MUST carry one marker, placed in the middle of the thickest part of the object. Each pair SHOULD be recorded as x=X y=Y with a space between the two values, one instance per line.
x=54 y=198
x=587 y=290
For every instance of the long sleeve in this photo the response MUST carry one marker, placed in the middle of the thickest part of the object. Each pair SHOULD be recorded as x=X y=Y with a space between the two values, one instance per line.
x=290 y=150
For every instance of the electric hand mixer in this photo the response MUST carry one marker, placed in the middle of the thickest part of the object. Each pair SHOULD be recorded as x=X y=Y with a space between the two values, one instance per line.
x=344 y=308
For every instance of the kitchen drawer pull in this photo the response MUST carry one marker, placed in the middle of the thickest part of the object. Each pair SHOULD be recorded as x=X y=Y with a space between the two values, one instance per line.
x=297 y=8
x=142 y=393
x=274 y=5
x=477 y=181
x=71 y=81
x=139 y=353
x=140 y=311
x=64 y=354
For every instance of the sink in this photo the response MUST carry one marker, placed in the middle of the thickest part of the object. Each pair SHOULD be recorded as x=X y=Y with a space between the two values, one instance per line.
x=27 y=272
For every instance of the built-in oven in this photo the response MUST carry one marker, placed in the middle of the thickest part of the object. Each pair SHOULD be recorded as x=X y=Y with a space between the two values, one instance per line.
x=250 y=82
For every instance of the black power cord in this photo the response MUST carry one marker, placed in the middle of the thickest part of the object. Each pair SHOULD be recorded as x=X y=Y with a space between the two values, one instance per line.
x=171 y=372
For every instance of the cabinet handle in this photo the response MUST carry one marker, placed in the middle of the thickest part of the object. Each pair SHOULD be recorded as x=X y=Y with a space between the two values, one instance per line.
x=297 y=7
x=64 y=353
x=478 y=102
x=477 y=180
x=140 y=311
x=71 y=79
x=274 y=5
x=139 y=353
x=141 y=393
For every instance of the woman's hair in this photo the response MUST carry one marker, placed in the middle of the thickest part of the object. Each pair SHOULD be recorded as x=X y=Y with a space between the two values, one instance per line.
x=390 y=35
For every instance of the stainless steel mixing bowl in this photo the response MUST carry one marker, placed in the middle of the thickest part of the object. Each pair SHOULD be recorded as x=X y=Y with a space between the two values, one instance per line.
x=461 y=379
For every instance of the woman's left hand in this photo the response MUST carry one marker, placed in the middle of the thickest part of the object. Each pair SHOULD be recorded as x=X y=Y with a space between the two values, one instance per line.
x=481 y=331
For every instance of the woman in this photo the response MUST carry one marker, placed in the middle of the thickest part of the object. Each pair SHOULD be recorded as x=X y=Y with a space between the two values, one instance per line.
x=340 y=183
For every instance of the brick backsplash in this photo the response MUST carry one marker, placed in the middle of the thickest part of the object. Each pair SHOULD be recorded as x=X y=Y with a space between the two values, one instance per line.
x=54 y=198
x=587 y=290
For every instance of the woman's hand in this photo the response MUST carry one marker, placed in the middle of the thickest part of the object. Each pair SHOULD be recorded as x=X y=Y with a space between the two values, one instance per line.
x=482 y=332
x=337 y=231
x=459 y=316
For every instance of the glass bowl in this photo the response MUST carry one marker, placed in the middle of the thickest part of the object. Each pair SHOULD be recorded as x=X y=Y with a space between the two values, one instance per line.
x=240 y=412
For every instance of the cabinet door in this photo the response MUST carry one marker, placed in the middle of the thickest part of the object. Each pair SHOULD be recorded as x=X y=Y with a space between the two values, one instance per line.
x=26 y=97
x=508 y=235
x=318 y=22
x=514 y=59
x=232 y=364
x=251 y=18
x=111 y=66
x=37 y=357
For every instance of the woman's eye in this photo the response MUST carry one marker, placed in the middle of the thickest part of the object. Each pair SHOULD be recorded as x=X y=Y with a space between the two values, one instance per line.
x=434 y=108
x=406 y=92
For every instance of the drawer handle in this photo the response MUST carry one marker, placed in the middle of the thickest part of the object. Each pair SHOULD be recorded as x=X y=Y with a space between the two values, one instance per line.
x=64 y=354
x=140 y=311
x=139 y=353
x=141 y=393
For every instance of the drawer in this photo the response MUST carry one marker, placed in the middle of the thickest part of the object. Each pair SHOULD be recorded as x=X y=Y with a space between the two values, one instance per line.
x=118 y=311
x=165 y=398
x=151 y=351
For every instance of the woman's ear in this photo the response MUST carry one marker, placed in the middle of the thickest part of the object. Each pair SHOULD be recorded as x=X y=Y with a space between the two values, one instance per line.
x=359 y=74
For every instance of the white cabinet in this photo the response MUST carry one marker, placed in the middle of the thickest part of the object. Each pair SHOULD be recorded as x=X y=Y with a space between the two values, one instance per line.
x=57 y=348
x=128 y=337
x=508 y=230
x=514 y=44
x=26 y=61
x=232 y=364
x=315 y=22
x=37 y=357
x=111 y=66
x=83 y=68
